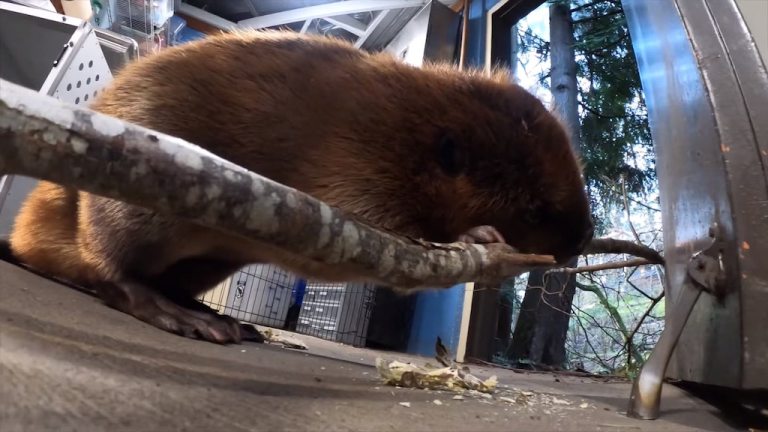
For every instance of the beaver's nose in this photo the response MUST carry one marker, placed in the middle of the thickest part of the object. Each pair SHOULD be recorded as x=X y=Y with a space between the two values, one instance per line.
x=587 y=234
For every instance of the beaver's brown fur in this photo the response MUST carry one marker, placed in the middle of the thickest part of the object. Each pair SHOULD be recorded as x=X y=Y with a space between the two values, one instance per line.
x=428 y=152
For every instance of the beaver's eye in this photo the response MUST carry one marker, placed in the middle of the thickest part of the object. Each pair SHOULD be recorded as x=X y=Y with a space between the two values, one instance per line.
x=450 y=156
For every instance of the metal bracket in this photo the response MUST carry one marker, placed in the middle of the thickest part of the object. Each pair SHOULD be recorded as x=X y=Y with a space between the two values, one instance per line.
x=705 y=268
x=705 y=272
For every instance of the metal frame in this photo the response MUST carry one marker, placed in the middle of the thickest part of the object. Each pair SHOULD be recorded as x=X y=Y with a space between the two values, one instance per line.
x=118 y=49
x=75 y=41
x=371 y=27
x=348 y=23
x=337 y=13
x=5 y=187
x=706 y=88
x=501 y=18
x=206 y=17
x=327 y=10
x=83 y=44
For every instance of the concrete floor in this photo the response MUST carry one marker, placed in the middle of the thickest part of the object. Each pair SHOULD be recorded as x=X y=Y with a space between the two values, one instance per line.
x=69 y=363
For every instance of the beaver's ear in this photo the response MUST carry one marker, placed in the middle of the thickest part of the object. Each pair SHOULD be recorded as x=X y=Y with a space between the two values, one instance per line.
x=451 y=156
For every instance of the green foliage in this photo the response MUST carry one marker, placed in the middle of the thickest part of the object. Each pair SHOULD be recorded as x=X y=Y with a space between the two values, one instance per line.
x=616 y=315
x=615 y=137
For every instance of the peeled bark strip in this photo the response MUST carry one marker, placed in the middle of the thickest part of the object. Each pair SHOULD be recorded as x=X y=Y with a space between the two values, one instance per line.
x=44 y=138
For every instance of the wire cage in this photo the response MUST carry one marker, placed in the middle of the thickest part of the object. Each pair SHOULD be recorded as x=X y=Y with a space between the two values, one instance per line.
x=146 y=21
x=336 y=311
x=267 y=295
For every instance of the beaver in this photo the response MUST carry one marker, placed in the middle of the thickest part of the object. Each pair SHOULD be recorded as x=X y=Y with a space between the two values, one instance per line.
x=429 y=152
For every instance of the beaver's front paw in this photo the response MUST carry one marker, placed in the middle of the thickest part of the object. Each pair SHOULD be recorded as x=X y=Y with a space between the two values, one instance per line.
x=482 y=234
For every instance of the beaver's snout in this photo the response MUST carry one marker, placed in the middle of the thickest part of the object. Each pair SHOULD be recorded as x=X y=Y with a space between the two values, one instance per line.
x=577 y=241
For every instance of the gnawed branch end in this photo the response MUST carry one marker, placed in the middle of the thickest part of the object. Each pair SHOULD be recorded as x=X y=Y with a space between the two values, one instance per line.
x=616 y=246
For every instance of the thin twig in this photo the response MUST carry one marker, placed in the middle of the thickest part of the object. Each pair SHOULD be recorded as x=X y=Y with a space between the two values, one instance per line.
x=612 y=186
x=645 y=315
x=591 y=4
x=592 y=347
x=634 y=262
x=612 y=311
x=593 y=18
x=599 y=325
x=608 y=116
x=626 y=208
x=547 y=370
x=637 y=288
x=616 y=246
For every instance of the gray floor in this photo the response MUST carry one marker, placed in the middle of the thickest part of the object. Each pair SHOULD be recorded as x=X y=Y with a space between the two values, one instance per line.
x=69 y=363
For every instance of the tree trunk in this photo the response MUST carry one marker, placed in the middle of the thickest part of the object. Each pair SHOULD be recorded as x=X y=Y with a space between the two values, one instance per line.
x=542 y=326
x=506 y=303
x=506 y=310
x=563 y=74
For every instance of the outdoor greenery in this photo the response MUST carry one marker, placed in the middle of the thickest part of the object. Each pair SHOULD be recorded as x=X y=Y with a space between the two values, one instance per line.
x=616 y=140
x=617 y=315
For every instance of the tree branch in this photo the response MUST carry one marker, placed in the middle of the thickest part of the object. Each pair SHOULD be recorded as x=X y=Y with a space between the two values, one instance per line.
x=605 y=116
x=616 y=246
x=591 y=346
x=612 y=185
x=589 y=5
x=612 y=311
x=597 y=17
x=637 y=288
x=598 y=325
x=606 y=46
x=634 y=262
x=654 y=302
x=626 y=208
x=47 y=139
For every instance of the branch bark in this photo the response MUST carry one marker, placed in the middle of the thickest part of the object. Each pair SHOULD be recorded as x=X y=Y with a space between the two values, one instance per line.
x=634 y=262
x=615 y=246
x=628 y=342
x=50 y=140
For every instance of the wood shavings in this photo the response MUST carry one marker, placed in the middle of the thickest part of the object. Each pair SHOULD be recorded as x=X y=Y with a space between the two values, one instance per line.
x=273 y=336
x=408 y=375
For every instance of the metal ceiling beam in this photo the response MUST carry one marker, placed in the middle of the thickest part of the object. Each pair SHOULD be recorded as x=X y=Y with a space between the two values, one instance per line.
x=371 y=27
x=206 y=17
x=348 y=23
x=327 y=10
x=337 y=13
x=305 y=26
